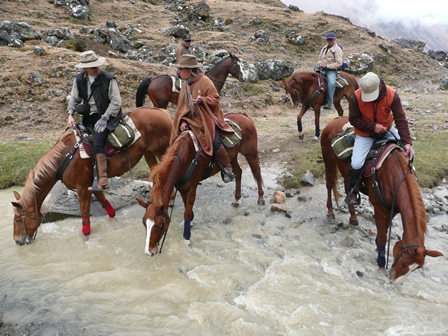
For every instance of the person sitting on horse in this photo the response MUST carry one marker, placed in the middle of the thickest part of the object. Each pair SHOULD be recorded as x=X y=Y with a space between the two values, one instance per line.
x=184 y=47
x=372 y=110
x=198 y=109
x=102 y=113
x=330 y=60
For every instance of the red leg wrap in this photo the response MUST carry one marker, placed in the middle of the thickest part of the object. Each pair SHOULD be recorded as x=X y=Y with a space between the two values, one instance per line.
x=86 y=225
x=109 y=209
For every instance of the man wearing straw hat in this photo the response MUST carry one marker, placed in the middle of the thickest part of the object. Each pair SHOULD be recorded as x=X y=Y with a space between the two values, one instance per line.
x=100 y=108
x=198 y=109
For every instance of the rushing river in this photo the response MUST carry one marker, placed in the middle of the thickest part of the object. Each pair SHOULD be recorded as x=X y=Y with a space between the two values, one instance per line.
x=249 y=271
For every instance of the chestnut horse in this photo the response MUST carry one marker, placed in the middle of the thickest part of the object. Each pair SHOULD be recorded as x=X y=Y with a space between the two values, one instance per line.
x=306 y=88
x=160 y=88
x=393 y=184
x=155 y=128
x=175 y=170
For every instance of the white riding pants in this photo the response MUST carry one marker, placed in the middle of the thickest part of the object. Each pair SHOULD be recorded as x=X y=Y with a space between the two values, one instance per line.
x=363 y=144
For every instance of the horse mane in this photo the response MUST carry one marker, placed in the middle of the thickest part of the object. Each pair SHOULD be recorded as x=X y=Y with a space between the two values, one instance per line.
x=159 y=174
x=45 y=169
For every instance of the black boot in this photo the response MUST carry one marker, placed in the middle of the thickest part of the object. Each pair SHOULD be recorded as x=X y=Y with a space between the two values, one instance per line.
x=353 y=197
x=224 y=163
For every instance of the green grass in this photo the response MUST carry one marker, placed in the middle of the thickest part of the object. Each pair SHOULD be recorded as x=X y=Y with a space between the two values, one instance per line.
x=17 y=158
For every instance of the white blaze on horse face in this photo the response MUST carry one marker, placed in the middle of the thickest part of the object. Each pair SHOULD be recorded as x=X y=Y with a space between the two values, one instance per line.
x=244 y=72
x=290 y=99
x=149 y=225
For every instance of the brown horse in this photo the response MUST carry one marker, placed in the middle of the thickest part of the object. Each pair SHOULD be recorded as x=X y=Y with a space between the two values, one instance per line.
x=392 y=188
x=160 y=88
x=175 y=170
x=155 y=129
x=306 y=88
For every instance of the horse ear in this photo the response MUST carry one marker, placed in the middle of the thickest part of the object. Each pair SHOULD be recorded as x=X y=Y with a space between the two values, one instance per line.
x=433 y=253
x=16 y=195
x=142 y=203
x=17 y=205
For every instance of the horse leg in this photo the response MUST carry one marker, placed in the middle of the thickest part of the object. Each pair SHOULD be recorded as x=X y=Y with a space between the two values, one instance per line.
x=238 y=173
x=316 y=123
x=303 y=110
x=188 y=199
x=85 y=197
x=382 y=217
x=337 y=105
x=105 y=204
x=256 y=173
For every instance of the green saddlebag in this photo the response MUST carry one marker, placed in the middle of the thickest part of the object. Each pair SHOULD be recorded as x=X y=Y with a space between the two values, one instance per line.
x=121 y=137
x=342 y=143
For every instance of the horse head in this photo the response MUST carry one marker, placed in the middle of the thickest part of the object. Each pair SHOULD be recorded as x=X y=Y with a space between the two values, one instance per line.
x=236 y=68
x=291 y=91
x=156 y=221
x=408 y=258
x=26 y=221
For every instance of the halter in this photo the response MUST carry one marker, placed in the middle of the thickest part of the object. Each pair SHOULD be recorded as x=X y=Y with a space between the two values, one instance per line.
x=405 y=250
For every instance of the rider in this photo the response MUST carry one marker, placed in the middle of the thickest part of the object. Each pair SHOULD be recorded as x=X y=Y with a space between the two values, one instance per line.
x=330 y=60
x=372 y=111
x=184 y=47
x=102 y=113
x=198 y=109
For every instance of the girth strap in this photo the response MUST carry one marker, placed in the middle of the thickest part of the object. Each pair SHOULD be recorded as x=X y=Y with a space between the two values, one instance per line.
x=67 y=159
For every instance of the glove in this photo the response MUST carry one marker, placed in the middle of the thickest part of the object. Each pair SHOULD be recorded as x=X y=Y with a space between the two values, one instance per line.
x=101 y=124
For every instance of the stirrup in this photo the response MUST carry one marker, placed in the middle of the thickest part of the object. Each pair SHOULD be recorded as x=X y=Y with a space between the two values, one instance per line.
x=96 y=187
x=357 y=200
x=227 y=176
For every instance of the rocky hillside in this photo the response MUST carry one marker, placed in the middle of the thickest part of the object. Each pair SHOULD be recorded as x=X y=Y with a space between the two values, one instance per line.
x=34 y=86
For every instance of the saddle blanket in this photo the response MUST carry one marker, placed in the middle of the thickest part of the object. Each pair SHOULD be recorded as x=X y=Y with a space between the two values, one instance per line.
x=83 y=153
x=177 y=83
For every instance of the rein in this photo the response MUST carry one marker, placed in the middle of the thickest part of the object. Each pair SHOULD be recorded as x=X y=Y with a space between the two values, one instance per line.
x=314 y=96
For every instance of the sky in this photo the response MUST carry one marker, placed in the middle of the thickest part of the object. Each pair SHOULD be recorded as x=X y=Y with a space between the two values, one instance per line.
x=427 y=12
x=422 y=20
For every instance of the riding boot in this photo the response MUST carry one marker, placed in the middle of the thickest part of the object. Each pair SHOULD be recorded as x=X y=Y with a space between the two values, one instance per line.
x=101 y=163
x=353 y=197
x=224 y=163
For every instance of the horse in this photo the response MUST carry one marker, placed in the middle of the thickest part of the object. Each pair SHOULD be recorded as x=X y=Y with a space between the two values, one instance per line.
x=183 y=168
x=155 y=129
x=307 y=88
x=160 y=88
x=392 y=188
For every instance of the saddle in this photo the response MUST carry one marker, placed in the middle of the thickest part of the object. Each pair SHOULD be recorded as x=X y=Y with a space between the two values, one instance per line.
x=378 y=153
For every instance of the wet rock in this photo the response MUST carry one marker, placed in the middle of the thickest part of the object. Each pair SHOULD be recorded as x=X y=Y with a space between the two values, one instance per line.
x=62 y=202
x=279 y=196
x=308 y=179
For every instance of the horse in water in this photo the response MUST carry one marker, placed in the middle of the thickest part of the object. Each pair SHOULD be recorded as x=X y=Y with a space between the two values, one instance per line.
x=154 y=126
x=160 y=88
x=392 y=187
x=308 y=88
x=183 y=167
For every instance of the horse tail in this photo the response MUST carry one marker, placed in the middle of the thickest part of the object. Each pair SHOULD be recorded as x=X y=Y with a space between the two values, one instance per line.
x=141 y=92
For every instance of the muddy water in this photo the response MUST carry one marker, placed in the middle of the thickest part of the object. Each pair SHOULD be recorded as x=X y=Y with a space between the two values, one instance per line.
x=249 y=271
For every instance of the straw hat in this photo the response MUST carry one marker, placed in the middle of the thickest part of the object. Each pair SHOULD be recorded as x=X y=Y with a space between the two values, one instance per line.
x=89 y=59
x=188 y=61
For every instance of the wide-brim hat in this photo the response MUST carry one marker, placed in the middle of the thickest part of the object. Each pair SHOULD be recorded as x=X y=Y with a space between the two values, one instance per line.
x=370 y=87
x=89 y=59
x=188 y=61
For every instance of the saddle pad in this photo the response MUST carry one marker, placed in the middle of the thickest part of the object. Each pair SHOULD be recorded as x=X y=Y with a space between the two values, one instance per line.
x=177 y=83
x=83 y=153
x=380 y=159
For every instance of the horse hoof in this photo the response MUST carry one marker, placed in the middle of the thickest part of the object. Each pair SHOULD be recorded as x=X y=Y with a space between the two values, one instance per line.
x=354 y=222
x=236 y=203
x=315 y=139
x=261 y=202
x=187 y=242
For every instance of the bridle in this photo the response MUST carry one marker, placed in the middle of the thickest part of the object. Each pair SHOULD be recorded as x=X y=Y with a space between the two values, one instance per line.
x=22 y=219
x=405 y=250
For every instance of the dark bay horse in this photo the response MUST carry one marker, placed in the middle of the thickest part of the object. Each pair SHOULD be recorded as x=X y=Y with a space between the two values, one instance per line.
x=399 y=188
x=155 y=128
x=160 y=88
x=305 y=87
x=171 y=173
